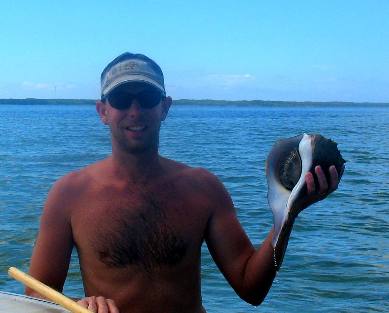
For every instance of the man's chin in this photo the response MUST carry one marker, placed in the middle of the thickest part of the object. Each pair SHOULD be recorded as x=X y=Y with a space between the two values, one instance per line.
x=137 y=148
x=133 y=146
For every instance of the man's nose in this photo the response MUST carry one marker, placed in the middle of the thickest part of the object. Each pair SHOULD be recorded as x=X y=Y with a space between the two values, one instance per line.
x=135 y=108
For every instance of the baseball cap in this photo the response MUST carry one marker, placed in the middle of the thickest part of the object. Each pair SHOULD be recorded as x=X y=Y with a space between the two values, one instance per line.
x=131 y=68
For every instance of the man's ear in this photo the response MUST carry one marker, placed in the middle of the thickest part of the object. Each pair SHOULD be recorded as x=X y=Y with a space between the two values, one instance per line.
x=101 y=109
x=166 y=103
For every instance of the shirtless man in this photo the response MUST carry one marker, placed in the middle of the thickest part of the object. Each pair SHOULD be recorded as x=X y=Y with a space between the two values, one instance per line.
x=138 y=220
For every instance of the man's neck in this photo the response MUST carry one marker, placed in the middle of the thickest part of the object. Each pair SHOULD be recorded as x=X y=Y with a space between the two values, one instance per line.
x=135 y=167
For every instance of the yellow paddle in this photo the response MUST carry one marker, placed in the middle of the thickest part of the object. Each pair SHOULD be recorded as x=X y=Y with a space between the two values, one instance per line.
x=46 y=291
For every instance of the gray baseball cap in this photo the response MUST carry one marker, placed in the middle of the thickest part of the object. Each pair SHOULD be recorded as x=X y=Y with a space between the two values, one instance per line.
x=131 y=68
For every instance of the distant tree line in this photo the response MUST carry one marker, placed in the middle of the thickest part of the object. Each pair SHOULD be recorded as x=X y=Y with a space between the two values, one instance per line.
x=46 y=101
x=264 y=103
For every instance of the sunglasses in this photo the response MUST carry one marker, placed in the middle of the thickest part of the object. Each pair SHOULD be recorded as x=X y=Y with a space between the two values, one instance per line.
x=147 y=99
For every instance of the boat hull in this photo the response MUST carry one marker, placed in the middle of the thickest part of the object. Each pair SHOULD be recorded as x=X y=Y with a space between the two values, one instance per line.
x=16 y=303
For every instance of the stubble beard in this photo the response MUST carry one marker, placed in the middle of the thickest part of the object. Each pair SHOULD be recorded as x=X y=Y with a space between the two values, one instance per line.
x=133 y=147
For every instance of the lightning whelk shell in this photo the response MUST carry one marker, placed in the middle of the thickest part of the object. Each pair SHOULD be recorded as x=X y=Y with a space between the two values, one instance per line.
x=288 y=162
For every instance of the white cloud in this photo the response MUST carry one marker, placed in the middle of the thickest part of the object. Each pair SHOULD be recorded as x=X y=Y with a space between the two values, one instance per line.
x=47 y=86
x=39 y=86
x=229 y=80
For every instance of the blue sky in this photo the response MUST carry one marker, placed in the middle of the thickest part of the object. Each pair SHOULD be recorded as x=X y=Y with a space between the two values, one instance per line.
x=270 y=50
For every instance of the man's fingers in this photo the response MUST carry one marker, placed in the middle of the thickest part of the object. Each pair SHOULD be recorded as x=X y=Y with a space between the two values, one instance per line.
x=323 y=187
x=88 y=303
x=321 y=178
x=309 y=180
x=92 y=306
x=83 y=303
x=102 y=305
x=112 y=307
x=99 y=304
x=334 y=177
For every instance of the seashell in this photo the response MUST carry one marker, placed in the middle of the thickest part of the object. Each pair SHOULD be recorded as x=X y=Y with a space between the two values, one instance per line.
x=288 y=162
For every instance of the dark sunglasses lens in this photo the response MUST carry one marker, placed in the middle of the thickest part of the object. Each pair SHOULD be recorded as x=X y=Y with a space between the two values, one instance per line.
x=149 y=98
x=120 y=100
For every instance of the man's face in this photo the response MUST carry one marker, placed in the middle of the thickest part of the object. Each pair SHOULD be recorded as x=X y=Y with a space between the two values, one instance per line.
x=134 y=113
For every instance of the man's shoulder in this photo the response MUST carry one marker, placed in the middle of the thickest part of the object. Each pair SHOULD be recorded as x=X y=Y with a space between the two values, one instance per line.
x=198 y=179
x=78 y=180
x=207 y=188
x=189 y=172
x=72 y=191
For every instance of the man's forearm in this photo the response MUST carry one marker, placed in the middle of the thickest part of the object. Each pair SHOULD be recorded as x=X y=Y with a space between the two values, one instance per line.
x=259 y=273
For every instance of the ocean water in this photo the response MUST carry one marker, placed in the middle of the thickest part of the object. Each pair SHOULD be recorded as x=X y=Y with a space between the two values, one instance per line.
x=338 y=254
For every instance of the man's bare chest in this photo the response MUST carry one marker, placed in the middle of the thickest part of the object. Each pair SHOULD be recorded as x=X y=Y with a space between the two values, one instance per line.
x=145 y=230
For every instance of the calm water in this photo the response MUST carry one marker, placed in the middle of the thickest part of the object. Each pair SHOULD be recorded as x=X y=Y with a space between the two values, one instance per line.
x=338 y=256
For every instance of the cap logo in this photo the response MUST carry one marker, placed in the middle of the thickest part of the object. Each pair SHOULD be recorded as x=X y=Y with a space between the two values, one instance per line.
x=122 y=68
x=130 y=65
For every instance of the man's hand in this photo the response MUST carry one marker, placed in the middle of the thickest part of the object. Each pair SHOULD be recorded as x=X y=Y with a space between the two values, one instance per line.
x=99 y=305
x=324 y=188
x=316 y=192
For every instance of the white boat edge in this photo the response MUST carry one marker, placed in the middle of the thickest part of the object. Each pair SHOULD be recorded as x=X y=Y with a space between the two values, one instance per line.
x=18 y=303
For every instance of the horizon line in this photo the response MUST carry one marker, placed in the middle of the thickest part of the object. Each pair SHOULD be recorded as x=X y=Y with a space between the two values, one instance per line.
x=206 y=99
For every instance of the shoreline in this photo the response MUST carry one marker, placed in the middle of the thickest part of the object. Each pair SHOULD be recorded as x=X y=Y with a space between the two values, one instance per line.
x=209 y=102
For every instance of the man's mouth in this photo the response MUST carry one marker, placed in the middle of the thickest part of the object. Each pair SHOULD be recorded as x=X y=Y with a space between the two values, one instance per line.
x=136 y=128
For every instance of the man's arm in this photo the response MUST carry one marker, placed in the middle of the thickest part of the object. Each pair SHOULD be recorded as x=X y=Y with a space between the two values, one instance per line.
x=53 y=248
x=54 y=244
x=250 y=271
